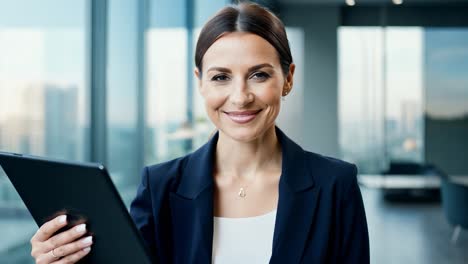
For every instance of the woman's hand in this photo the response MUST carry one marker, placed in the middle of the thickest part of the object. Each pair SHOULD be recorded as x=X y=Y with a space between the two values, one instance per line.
x=64 y=247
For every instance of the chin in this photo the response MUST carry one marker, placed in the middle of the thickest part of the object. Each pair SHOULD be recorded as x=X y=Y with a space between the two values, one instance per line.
x=243 y=134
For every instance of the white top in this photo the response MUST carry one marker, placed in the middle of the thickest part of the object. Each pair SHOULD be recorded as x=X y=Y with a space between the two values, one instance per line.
x=243 y=240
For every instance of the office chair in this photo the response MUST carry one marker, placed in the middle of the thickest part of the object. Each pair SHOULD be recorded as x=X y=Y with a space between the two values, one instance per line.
x=455 y=205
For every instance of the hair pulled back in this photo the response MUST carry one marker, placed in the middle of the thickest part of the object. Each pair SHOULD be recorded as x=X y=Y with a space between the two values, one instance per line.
x=245 y=17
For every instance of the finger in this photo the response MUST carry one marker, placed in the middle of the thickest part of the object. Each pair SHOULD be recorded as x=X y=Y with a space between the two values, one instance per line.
x=49 y=228
x=67 y=250
x=64 y=238
x=73 y=258
x=47 y=257
x=71 y=248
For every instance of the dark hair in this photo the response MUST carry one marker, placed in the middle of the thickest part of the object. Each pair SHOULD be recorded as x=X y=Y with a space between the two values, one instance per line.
x=245 y=17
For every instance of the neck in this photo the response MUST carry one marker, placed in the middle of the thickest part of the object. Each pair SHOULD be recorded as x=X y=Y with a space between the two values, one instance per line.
x=245 y=159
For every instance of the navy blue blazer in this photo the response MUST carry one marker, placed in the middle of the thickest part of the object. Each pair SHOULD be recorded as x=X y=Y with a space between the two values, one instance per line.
x=320 y=214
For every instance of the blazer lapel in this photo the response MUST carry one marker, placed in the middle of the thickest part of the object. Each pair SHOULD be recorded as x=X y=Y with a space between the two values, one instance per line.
x=296 y=206
x=192 y=207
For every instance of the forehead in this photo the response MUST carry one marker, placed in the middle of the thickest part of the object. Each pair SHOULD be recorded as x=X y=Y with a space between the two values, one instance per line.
x=239 y=49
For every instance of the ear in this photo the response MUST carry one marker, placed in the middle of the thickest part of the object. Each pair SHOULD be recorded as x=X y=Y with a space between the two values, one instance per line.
x=289 y=80
x=199 y=80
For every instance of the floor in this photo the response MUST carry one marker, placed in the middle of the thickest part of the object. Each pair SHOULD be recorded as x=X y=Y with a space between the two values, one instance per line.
x=411 y=232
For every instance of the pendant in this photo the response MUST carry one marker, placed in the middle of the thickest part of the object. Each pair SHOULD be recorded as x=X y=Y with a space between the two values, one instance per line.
x=242 y=193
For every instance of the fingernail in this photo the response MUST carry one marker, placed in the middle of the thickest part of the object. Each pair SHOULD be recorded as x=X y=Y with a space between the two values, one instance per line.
x=80 y=228
x=86 y=250
x=62 y=219
x=87 y=240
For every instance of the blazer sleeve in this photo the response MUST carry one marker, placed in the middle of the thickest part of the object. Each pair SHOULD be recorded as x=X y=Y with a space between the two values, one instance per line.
x=355 y=239
x=141 y=212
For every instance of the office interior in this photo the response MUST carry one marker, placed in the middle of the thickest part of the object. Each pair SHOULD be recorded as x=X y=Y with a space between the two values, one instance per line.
x=380 y=83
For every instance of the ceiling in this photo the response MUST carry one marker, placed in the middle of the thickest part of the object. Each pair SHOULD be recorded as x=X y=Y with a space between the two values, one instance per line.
x=334 y=2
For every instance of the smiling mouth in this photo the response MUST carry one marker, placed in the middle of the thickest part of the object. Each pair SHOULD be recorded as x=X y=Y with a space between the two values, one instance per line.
x=242 y=117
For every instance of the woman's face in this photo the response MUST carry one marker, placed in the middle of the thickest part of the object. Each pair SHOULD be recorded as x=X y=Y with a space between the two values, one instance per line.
x=242 y=83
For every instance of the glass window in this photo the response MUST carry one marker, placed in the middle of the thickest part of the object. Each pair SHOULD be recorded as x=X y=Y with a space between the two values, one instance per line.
x=167 y=93
x=404 y=93
x=446 y=94
x=381 y=95
x=122 y=96
x=361 y=105
x=167 y=78
x=403 y=96
x=42 y=99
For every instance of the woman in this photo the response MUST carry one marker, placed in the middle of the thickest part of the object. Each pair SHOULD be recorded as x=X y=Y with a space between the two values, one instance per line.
x=250 y=195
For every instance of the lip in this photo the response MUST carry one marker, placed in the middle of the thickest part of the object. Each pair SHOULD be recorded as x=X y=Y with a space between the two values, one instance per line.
x=242 y=117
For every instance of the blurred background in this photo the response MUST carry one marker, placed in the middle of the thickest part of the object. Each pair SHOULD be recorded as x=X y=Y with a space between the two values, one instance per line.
x=380 y=83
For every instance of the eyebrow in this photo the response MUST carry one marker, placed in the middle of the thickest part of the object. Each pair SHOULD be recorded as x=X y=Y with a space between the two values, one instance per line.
x=253 y=68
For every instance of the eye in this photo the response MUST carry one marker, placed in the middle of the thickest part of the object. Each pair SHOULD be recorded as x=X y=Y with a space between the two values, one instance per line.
x=220 y=78
x=261 y=76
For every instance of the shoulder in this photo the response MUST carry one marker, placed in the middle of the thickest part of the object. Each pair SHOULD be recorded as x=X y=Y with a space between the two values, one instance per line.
x=325 y=171
x=166 y=169
x=330 y=172
x=166 y=174
x=338 y=184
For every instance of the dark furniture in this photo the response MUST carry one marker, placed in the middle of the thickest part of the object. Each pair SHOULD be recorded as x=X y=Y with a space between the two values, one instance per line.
x=404 y=169
x=455 y=205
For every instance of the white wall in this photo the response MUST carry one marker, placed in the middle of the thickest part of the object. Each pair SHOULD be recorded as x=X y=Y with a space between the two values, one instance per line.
x=292 y=108
x=316 y=128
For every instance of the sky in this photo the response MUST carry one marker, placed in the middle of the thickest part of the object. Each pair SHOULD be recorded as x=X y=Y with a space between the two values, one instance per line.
x=425 y=66
x=361 y=70
x=37 y=47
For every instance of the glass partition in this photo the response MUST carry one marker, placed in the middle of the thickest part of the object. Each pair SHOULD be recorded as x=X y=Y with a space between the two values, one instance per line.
x=43 y=103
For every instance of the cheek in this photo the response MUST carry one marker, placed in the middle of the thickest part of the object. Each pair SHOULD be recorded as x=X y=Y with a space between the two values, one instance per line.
x=213 y=100
x=270 y=96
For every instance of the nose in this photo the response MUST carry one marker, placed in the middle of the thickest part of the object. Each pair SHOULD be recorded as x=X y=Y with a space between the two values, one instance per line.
x=241 y=95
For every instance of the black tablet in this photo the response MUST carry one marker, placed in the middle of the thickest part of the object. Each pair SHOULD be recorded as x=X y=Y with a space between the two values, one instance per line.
x=85 y=192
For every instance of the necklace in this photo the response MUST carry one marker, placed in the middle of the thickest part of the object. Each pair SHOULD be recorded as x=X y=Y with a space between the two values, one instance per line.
x=242 y=191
